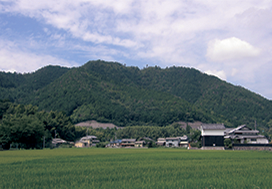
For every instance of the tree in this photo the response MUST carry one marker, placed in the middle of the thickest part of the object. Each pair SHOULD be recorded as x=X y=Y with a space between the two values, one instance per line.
x=26 y=130
x=228 y=143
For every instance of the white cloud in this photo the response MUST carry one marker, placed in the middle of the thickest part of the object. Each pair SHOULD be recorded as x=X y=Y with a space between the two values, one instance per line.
x=14 y=59
x=220 y=74
x=162 y=32
x=230 y=49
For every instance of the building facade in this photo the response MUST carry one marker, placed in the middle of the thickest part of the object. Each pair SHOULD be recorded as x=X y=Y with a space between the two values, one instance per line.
x=245 y=135
x=212 y=135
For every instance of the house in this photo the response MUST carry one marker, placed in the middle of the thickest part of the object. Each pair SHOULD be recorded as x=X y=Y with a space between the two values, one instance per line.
x=128 y=142
x=140 y=144
x=245 y=135
x=172 y=142
x=56 y=142
x=212 y=135
x=183 y=141
x=161 y=142
x=115 y=144
x=87 y=141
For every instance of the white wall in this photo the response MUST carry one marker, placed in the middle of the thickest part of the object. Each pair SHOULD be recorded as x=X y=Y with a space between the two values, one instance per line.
x=212 y=132
x=262 y=141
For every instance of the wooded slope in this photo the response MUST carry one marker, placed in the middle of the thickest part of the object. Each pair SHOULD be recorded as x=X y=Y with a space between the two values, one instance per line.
x=112 y=92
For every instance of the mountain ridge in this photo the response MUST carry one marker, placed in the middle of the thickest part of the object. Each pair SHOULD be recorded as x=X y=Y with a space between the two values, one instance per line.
x=112 y=92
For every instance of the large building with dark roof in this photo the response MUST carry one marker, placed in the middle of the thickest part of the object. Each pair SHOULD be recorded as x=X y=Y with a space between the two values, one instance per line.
x=212 y=135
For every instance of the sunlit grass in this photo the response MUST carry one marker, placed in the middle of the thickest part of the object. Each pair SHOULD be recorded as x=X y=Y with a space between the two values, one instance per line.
x=134 y=168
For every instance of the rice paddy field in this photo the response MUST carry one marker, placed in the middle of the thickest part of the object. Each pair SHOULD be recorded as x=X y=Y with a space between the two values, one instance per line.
x=135 y=168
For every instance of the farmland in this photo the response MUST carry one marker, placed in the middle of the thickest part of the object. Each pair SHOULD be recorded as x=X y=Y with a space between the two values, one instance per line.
x=135 y=168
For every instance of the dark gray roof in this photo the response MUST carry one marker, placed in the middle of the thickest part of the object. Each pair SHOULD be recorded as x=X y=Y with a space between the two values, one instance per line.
x=128 y=140
x=241 y=129
x=58 y=141
x=88 y=137
x=140 y=142
x=172 y=138
x=161 y=139
x=248 y=131
x=244 y=136
x=213 y=127
x=116 y=141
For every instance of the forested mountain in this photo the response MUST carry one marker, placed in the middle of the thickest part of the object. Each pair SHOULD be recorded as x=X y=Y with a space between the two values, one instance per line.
x=112 y=92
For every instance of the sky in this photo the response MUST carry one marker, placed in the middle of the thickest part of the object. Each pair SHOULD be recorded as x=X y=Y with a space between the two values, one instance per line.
x=230 y=39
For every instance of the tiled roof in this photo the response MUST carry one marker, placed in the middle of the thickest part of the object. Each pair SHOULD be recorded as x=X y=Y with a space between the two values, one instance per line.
x=213 y=127
x=128 y=140
x=161 y=139
x=172 y=138
x=88 y=137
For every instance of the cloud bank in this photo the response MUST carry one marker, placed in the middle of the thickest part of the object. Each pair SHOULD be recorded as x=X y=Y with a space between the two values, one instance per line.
x=229 y=39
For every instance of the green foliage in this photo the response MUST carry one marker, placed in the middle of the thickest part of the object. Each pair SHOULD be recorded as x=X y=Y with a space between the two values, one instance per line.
x=26 y=130
x=26 y=126
x=125 y=96
x=228 y=143
x=152 y=132
x=194 y=135
x=101 y=144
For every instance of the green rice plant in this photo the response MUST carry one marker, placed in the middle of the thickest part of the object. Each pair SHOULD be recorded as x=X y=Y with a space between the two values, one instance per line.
x=135 y=168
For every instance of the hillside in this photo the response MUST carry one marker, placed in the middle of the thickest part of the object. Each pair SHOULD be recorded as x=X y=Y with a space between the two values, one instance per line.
x=112 y=92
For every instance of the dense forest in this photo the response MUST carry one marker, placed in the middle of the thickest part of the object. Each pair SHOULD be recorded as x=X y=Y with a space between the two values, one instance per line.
x=23 y=126
x=27 y=127
x=127 y=96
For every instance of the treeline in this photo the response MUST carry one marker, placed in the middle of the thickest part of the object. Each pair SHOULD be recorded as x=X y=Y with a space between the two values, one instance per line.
x=26 y=127
x=136 y=132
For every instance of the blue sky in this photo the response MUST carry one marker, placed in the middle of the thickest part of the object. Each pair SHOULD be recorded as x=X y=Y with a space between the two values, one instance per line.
x=229 y=39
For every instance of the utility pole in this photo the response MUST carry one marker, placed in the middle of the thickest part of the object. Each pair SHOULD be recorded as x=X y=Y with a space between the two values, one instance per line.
x=255 y=125
x=43 y=142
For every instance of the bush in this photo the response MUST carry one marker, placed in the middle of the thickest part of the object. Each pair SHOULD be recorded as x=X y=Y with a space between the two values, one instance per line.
x=228 y=143
x=196 y=144
x=101 y=144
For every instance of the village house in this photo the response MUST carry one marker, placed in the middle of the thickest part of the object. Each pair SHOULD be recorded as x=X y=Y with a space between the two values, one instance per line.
x=140 y=144
x=128 y=142
x=172 y=142
x=161 y=142
x=56 y=142
x=245 y=135
x=115 y=144
x=87 y=141
x=212 y=135
x=184 y=141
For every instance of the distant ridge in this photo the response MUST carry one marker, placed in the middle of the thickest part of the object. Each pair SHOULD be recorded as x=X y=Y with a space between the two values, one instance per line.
x=110 y=92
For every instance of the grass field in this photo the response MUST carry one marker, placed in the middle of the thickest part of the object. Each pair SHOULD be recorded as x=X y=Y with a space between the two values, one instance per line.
x=135 y=168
